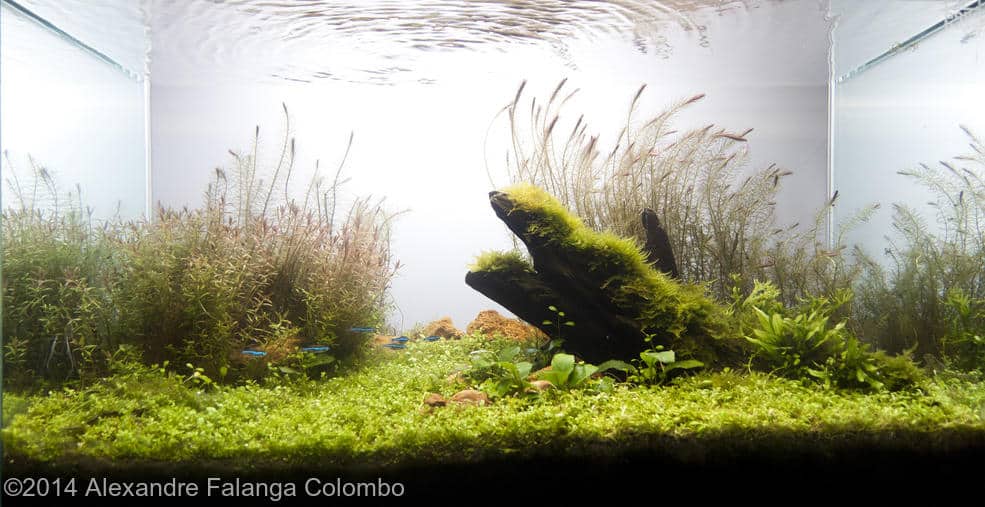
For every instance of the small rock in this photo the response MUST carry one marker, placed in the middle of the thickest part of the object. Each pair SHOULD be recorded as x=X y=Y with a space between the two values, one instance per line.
x=435 y=400
x=382 y=339
x=541 y=385
x=491 y=323
x=471 y=397
x=444 y=328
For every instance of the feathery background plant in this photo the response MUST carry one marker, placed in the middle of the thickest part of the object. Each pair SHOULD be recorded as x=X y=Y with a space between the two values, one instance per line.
x=904 y=302
x=721 y=221
x=719 y=216
x=250 y=268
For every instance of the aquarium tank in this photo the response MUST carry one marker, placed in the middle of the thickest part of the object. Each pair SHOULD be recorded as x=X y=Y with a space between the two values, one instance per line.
x=718 y=252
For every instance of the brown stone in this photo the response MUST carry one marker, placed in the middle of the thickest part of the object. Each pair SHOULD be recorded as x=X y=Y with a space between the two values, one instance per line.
x=444 y=328
x=491 y=323
x=277 y=349
x=435 y=400
x=471 y=397
x=541 y=385
x=382 y=339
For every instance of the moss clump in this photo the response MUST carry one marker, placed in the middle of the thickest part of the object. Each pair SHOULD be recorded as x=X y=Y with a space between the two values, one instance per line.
x=673 y=314
x=501 y=261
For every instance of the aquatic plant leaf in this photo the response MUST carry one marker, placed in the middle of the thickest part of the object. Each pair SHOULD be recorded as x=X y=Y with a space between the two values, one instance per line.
x=563 y=363
x=665 y=357
x=615 y=364
x=580 y=373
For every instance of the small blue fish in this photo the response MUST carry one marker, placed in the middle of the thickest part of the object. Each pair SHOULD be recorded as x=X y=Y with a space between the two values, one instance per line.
x=395 y=346
x=400 y=339
x=254 y=353
x=323 y=348
x=362 y=329
x=432 y=338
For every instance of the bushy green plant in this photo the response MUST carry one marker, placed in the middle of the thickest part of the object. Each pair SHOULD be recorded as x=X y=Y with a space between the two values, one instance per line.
x=897 y=372
x=658 y=366
x=744 y=307
x=964 y=343
x=501 y=373
x=245 y=268
x=566 y=372
x=908 y=300
x=509 y=372
x=807 y=346
x=59 y=275
x=18 y=372
x=792 y=346
x=251 y=268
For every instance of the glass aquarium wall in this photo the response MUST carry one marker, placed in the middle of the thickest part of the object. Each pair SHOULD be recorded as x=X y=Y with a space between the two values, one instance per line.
x=72 y=105
x=565 y=247
x=908 y=89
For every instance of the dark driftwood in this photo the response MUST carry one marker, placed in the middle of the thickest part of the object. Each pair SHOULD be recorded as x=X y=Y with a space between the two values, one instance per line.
x=657 y=248
x=602 y=330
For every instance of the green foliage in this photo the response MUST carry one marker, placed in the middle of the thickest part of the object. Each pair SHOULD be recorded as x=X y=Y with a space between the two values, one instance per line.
x=744 y=308
x=568 y=373
x=678 y=315
x=964 y=342
x=314 y=365
x=806 y=346
x=508 y=372
x=722 y=225
x=850 y=366
x=250 y=268
x=500 y=373
x=897 y=372
x=59 y=278
x=909 y=301
x=18 y=373
x=793 y=345
x=198 y=377
x=512 y=260
x=541 y=356
x=657 y=366
x=719 y=215
x=559 y=320
x=373 y=415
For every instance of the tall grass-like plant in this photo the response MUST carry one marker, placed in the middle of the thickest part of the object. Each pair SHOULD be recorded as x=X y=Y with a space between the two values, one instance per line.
x=904 y=302
x=59 y=272
x=720 y=217
x=254 y=267
x=251 y=268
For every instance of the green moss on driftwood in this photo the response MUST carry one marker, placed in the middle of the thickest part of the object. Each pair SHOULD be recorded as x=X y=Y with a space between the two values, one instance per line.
x=501 y=261
x=603 y=282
